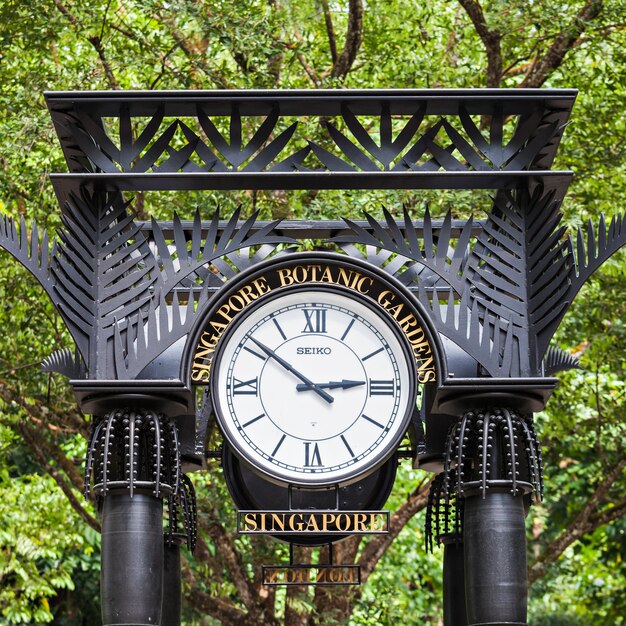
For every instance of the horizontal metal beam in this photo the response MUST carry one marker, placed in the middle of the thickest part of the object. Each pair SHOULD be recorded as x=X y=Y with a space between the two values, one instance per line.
x=313 y=102
x=310 y=229
x=196 y=181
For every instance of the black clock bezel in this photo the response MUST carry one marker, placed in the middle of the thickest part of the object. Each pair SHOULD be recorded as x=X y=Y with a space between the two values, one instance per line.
x=381 y=456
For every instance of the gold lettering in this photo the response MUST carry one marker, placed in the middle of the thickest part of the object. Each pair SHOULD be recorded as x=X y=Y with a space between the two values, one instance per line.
x=359 y=523
x=285 y=277
x=312 y=525
x=247 y=293
x=236 y=300
x=361 y=282
x=334 y=575
x=224 y=311
x=250 y=524
x=322 y=575
x=200 y=375
x=346 y=519
x=261 y=285
x=314 y=269
x=429 y=376
x=271 y=576
x=327 y=519
x=300 y=273
x=218 y=326
x=395 y=310
x=278 y=520
x=327 y=276
x=292 y=523
x=408 y=322
x=344 y=277
x=382 y=299
x=374 y=522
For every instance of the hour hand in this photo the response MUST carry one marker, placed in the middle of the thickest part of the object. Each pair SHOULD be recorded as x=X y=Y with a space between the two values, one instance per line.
x=333 y=384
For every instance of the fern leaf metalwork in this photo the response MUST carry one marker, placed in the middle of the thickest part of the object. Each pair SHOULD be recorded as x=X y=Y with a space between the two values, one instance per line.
x=189 y=265
x=190 y=251
x=385 y=152
x=444 y=289
x=557 y=360
x=104 y=271
x=236 y=152
x=65 y=361
x=432 y=250
x=518 y=268
x=588 y=256
x=34 y=254
x=140 y=339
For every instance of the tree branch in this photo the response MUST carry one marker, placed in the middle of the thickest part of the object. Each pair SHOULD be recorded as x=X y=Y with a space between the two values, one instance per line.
x=490 y=38
x=231 y=558
x=40 y=450
x=330 y=31
x=376 y=548
x=354 y=38
x=95 y=41
x=226 y=612
x=585 y=522
x=540 y=71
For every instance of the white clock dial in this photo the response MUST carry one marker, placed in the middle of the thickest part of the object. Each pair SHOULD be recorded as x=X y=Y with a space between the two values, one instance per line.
x=313 y=387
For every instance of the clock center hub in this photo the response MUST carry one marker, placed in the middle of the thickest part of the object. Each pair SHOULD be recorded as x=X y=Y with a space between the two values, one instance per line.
x=299 y=411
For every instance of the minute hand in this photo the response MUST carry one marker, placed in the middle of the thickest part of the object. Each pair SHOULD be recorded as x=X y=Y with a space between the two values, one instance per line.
x=333 y=384
x=309 y=384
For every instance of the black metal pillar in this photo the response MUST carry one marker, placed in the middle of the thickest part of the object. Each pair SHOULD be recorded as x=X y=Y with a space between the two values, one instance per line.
x=454 y=612
x=134 y=461
x=495 y=559
x=492 y=461
x=132 y=559
x=172 y=585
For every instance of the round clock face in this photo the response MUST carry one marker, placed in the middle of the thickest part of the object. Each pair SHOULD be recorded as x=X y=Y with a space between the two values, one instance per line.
x=313 y=387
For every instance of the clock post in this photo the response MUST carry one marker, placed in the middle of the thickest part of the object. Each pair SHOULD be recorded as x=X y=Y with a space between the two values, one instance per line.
x=314 y=365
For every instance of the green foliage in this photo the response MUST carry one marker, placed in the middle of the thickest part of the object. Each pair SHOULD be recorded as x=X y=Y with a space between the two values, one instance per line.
x=37 y=560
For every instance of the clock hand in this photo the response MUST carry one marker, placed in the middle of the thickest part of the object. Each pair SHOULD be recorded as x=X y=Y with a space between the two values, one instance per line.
x=310 y=385
x=333 y=384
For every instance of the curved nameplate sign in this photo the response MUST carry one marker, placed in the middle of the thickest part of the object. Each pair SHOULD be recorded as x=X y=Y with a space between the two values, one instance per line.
x=308 y=269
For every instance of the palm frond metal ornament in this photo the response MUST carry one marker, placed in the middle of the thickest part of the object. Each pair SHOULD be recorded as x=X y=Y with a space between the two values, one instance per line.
x=132 y=293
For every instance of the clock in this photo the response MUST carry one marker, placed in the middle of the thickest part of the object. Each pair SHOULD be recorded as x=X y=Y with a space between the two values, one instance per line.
x=313 y=385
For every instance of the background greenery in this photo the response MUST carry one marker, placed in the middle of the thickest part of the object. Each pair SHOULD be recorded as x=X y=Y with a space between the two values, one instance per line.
x=49 y=545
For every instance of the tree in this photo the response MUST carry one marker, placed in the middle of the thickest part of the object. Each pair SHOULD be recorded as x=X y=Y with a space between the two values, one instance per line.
x=286 y=44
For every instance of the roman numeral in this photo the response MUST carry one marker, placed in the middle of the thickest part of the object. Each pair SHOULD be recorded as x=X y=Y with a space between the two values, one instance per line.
x=381 y=387
x=245 y=387
x=315 y=320
x=312 y=458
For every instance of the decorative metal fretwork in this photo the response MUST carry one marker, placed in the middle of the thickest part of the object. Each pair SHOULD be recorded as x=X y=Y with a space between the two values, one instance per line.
x=124 y=296
x=502 y=293
x=444 y=512
x=493 y=448
x=133 y=450
x=182 y=516
x=236 y=141
x=128 y=291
